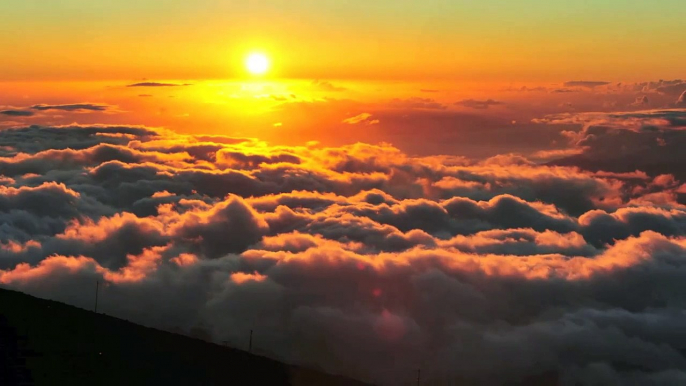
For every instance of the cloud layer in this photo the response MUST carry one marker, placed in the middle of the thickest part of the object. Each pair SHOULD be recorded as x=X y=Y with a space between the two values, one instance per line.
x=359 y=259
x=73 y=107
x=480 y=105
x=156 y=84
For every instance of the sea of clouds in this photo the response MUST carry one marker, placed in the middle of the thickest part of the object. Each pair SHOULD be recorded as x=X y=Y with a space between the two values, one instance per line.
x=363 y=260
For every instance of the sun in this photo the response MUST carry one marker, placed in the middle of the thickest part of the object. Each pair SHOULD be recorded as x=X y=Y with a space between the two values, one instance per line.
x=257 y=64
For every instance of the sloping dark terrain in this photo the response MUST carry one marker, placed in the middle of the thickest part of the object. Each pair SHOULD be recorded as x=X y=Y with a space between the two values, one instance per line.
x=44 y=342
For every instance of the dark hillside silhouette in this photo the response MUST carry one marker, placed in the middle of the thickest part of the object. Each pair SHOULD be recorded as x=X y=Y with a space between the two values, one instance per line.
x=44 y=342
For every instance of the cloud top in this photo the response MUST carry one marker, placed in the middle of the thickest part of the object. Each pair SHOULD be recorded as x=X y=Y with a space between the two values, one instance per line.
x=361 y=259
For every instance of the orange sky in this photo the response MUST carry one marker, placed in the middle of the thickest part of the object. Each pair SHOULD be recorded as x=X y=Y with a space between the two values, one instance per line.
x=449 y=71
x=494 y=40
x=490 y=191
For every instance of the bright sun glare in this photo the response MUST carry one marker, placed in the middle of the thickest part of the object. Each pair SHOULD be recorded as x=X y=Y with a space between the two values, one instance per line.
x=257 y=64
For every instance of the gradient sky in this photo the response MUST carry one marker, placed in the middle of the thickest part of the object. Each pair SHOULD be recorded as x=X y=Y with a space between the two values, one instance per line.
x=492 y=191
x=530 y=40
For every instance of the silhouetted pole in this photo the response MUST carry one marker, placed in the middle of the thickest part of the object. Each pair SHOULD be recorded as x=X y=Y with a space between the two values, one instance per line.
x=97 y=285
x=250 y=342
x=419 y=376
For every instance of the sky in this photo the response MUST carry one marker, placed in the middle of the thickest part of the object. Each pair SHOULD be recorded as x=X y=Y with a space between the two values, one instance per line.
x=531 y=40
x=490 y=191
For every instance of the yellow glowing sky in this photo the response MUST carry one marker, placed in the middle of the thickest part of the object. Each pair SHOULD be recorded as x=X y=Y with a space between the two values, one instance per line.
x=528 y=40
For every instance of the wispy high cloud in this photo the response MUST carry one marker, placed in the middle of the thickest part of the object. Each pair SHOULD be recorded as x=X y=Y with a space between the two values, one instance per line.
x=585 y=83
x=158 y=84
x=363 y=117
x=479 y=104
x=323 y=85
x=73 y=107
x=17 y=113
x=417 y=103
x=563 y=90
